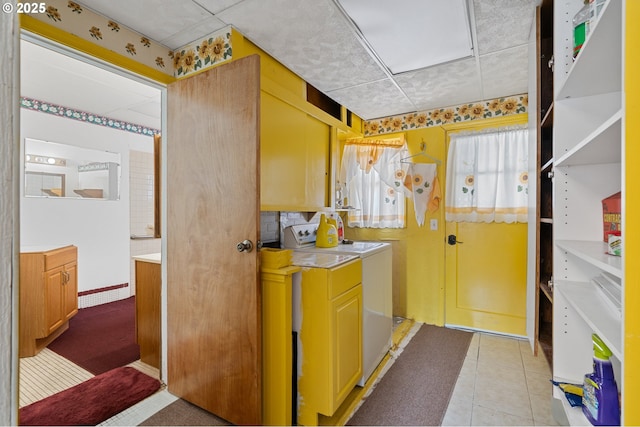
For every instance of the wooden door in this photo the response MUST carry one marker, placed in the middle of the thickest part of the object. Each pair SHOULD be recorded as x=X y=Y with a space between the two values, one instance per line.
x=213 y=309
x=486 y=277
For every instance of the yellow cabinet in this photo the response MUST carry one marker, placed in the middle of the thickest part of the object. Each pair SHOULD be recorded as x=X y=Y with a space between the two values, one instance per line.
x=346 y=336
x=48 y=296
x=277 y=346
x=330 y=339
x=295 y=152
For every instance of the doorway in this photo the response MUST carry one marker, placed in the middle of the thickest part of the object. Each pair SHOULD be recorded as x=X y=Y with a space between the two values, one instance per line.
x=486 y=266
x=70 y=99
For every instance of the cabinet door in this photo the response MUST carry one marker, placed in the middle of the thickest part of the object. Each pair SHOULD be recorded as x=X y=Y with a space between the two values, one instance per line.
x=53 y=301
x=70 y=291
x=148 y=283
x=346 y=335
x=294 y=158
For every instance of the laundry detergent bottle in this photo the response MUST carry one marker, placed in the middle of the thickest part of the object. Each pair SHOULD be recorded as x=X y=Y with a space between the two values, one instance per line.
x=327 y=234
x=600 y=403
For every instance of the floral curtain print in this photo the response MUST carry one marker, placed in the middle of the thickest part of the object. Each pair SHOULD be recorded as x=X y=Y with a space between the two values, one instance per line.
x=487 y=176
x=373 y=178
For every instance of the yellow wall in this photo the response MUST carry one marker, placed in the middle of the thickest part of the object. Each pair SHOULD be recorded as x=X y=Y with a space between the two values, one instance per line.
x=418 y=252
x=631 y=227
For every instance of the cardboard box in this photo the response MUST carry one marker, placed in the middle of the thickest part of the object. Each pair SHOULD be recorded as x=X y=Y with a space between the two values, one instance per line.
x=611 y=215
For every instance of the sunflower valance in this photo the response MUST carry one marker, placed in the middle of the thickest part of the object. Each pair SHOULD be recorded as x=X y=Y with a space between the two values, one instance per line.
x=391 y=140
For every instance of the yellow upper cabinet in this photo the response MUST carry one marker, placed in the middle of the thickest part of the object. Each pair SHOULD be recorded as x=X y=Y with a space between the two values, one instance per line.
x=295 y=152
x=296 y=140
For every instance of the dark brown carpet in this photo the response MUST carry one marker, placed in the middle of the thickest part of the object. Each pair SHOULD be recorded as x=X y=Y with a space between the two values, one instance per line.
x=92 y=401
x=101 y=338
x=183 y=413
x=417 y=388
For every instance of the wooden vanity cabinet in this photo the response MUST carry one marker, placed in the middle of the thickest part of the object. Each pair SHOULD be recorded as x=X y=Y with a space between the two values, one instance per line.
x=148 y=330
x=48 y=296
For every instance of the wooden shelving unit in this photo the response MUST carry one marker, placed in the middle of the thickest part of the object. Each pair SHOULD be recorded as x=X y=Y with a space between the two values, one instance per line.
x=543 y=173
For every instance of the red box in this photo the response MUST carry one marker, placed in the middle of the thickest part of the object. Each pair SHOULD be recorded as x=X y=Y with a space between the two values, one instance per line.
x=611 y=215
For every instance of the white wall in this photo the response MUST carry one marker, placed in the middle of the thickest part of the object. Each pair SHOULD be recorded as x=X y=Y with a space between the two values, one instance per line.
x=99 y=228
x=9 y=93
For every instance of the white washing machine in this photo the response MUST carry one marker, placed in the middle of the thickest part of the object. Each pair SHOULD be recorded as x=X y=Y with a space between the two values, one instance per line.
x=377 y=322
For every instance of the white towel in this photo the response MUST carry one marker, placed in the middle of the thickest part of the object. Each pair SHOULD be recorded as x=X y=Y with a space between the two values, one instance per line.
x=421 y=176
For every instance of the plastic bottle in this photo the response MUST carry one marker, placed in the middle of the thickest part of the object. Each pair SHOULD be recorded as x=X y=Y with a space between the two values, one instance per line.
x=339 y=225
x=581 y=26
x=327 y=234
x=600 y=402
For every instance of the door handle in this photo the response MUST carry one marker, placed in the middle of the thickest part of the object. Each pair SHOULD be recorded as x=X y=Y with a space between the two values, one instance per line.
x=244 y=246
x=451 y=239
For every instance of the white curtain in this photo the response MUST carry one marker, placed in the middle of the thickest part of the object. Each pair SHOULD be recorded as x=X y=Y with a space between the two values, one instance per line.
x=373 y=177
x=487 y=176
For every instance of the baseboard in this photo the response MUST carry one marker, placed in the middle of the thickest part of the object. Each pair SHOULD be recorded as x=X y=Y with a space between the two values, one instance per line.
x=103 y=295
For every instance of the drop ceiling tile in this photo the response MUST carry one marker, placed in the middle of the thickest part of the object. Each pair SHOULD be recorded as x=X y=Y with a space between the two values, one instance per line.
x=195 y=32
x=313 y=41
x=373 y=100
x=402 y=36
x=444 y=85
x=505 y=73
x=169 y=17
x=501 y=24
x=217 y=6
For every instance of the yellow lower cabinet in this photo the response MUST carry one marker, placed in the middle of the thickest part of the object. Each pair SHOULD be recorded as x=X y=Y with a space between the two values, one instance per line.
x=331 y=339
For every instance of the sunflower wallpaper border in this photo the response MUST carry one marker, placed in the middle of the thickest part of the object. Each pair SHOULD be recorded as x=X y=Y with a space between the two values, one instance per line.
x=81 y=21
x=498 y=107
x=202 y=54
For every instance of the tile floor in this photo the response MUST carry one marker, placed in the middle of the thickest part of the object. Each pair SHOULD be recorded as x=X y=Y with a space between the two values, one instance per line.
x=501 y=383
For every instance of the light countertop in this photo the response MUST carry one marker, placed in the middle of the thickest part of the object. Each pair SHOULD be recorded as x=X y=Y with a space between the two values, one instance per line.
x=154 y=258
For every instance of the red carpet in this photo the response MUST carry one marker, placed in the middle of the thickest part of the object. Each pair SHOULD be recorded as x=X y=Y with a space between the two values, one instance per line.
x=92 y=401
x=101 y=338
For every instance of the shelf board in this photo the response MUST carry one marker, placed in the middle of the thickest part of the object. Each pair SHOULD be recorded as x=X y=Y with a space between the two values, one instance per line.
x=547 y=120
x=597 y=68
x=585 y=298
x=599 y=147
x=546 y=220
x=574 y=413
x=547 y=165
x=548 y=292
x=594 y=253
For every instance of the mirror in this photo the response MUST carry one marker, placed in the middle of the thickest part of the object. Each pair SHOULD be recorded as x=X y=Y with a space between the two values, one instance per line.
x=59 y=170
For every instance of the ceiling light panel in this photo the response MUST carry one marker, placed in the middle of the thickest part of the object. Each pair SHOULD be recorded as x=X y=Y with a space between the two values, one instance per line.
x=408 y=35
